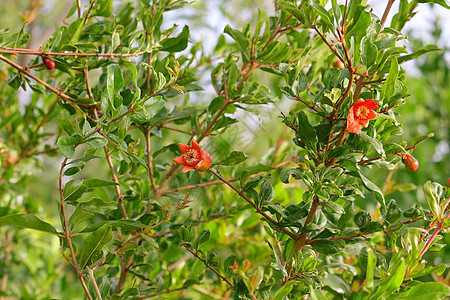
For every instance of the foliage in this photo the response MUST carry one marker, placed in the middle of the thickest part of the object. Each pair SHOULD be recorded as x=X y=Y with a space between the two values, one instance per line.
x=306 y=208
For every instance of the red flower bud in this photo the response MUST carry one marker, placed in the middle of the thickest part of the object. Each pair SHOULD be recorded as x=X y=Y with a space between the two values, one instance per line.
x=193 y=157
x=411 y=163
x=49 y=63
x=339 y=64
x=10 y=160
x=448 y=182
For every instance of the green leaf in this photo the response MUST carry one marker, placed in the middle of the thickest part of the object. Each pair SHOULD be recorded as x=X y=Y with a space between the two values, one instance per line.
x=124 y=225
x=76 y=194
x=337 y=284
x=93 y=243
x=102 y=8
x=203 y=237
x=305 y=131
x=415 y=54
x=370 y=53
x=372 y=226
x=113 y=84
x=66 y=125
x=284 y=290
x=73 y=33
x=439 y=269
x=362 y=218
x=422 y=138
x=27 y=221
x=425 y=290
x=97 y=142
x=370 y=270
x=148 y=110
x=328 y=247
x=99 y=205
x=178 y=43
x=331 y=77
x=67 y=145
x=234 y=158
x=266 y=192
x=325 y=16
x=241 y=41
x=433 y=199
x=392 y=283
x=376 y=144
x=442 y=3
x=388 y=87
x=373 y=187
x=285 y=174
x=93 y=182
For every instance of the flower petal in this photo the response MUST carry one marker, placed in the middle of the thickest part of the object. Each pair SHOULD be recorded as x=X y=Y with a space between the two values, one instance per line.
x=370 y=104
x=187 y=169
x=180 y=160
x=184 y=147
x=205 y=163
x=372 y=115
x=196 y=146
x=364 y=123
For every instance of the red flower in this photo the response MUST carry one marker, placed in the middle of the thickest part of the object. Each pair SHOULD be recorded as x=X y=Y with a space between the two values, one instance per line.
x=193 y=157
x=360 y=114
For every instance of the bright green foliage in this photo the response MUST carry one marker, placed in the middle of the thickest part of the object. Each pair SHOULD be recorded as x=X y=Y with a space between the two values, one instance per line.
x=296 y=207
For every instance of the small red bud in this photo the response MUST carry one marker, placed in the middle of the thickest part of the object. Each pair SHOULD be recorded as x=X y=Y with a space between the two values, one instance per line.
x=49 y=63
x=339 y=64
x=10 y=160
x=448 y=182
x=411 y=163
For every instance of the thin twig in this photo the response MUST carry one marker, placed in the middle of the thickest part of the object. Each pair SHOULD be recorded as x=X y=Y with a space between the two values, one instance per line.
x=208 y=266
x=15 y=51
x=94 y=283
x=150 y=161
x=249 y=201
x=45 y=84
x=301 y=241
x=67 y=234
x=116 y=180
x=385 y=15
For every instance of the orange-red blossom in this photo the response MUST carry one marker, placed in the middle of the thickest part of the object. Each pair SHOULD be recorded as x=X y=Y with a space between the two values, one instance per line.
x=193 y=157
x=360 y=114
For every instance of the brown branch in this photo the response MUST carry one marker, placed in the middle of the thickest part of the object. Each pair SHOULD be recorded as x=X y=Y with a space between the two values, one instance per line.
x=94 y=283
x=151 y=176
x=385 y=15
x=67 y=234
x=208 y=266
x=46 y=85
x=312 y=106
x=174 y=129
x=116 y=180
x=301 y=241
x=328 y=44
x=15 y=51
x=392 y=227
